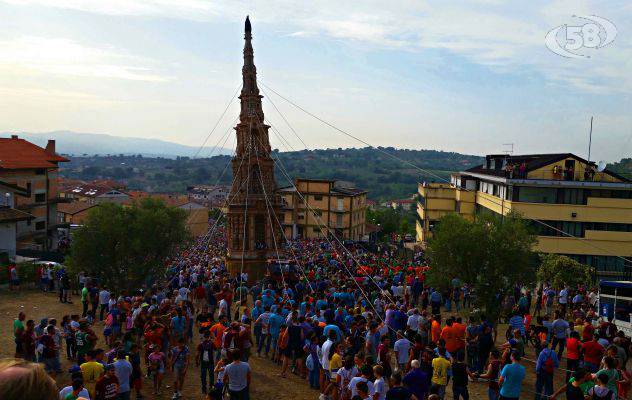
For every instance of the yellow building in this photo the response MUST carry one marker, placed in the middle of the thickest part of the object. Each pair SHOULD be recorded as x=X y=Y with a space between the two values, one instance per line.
x=339 y=211
x=566 y=194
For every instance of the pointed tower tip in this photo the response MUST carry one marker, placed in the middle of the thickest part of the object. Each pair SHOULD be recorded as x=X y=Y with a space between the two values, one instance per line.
x=248 y=26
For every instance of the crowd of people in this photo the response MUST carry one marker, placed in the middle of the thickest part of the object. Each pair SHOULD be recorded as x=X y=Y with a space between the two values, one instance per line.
x=351 y=323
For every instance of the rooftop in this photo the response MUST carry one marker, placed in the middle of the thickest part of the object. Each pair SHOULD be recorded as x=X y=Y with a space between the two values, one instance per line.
x=74 y=208
x=89 y=190
x=16 y=153
x=12 y=215
x=532 y=163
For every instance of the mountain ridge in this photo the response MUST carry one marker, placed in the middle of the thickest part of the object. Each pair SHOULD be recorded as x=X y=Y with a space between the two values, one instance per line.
x=80 y=143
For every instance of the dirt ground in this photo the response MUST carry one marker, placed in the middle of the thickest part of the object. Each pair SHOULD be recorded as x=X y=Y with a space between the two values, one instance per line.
x=266 y=382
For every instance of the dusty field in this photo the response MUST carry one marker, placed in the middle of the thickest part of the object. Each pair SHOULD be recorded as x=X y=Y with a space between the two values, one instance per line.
x=266 y=383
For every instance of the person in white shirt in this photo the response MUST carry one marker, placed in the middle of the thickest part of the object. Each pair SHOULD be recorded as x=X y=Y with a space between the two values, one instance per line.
x=324 y=360
x=223 y=308
x=563 y=299
x=379 y=388
x=68 y=389
x=104 y=300
x=402 y=349
x=414 y=321
x=366 y=373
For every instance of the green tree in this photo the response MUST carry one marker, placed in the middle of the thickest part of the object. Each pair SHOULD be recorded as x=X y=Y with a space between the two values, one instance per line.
x=561 y=270
x=491 y=254
x=125 y=246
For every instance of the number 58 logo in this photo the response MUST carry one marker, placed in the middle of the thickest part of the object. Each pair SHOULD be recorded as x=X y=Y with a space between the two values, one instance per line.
x=589 y=35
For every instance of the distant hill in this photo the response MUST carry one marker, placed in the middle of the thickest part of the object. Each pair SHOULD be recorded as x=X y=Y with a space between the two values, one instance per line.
x=77 y=144
x=623 y=167
x=366 y=168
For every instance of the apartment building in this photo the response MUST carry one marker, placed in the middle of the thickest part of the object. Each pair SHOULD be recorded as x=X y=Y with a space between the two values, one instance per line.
x=9 y=218
x=33 y=171
x=576 y=209
x=313 y=207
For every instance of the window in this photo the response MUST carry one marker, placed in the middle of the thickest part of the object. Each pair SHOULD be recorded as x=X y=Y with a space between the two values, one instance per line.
x=301 y=216
x=318 y=197
x=537 y=195
x=40 y=197
x=340 y=204
x=339 y=220
x=40 y=225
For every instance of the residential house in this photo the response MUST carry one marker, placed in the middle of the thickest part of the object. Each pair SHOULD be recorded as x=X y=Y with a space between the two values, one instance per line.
x=313 y=208
x=74 y=213
x=9 y=218
x=94 y=194
x=33 y=170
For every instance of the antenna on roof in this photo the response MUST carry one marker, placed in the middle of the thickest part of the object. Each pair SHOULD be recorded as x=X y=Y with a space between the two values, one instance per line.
x=508 y=151
x=590 y=138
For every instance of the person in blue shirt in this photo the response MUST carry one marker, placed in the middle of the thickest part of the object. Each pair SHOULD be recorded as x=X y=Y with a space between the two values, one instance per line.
x=334 y=328
x=257 y=310
x=274 y=323
x=511 y=378
x=517 y=322
x=320 y=303
x=544 y=368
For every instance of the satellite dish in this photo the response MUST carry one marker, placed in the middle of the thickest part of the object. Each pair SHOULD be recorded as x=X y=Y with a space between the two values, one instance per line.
x=601 y=166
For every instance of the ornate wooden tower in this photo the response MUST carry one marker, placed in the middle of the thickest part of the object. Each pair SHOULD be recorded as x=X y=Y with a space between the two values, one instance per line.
x=252 y=226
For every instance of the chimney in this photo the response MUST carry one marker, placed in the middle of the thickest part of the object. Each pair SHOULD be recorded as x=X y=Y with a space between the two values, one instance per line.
x=50 y=147
x=14 y=136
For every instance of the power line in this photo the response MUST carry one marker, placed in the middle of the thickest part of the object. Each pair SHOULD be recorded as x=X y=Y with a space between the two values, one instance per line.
x=218 y=120
x=435 y=175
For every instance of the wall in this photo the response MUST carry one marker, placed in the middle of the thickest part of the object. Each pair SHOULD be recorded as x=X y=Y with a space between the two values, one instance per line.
x=7 y=238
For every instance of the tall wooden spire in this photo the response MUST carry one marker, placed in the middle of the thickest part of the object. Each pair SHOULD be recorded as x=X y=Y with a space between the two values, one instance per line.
x=253 y=232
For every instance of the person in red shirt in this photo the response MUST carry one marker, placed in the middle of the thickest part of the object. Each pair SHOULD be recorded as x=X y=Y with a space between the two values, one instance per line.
x=588 y=332
x=28 y=341
x=573 y=348
x=593 y=352
x=108 y=385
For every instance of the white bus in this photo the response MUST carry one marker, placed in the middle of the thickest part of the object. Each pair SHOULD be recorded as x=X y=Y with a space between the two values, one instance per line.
x=615 y=301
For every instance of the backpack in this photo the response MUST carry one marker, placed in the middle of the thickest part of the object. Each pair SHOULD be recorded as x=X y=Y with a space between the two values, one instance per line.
x=549 y=367
x=309 y=363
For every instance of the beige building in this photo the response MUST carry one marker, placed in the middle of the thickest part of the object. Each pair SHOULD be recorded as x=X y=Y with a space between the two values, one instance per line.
x=577 y=209
x=329 y=209
x=438 y=199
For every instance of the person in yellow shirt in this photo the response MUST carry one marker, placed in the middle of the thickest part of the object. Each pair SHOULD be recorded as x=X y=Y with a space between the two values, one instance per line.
x=92 y=371
x=440 y=372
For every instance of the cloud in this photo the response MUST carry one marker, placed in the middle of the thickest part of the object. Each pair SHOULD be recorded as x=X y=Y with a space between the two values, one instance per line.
x=62 y=56
x=505 y=37
x=190 y=9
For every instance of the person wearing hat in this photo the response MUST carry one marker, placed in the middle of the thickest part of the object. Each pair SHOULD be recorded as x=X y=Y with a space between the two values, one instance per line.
x=107 y=386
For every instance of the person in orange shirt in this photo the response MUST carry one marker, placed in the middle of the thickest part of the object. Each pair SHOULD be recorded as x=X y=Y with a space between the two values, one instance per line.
x=448 y=334
x=459 y=330
x=217 y=331
x=435 y=328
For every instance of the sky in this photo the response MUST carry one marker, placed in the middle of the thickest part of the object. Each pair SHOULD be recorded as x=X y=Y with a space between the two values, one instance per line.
x=469 y=77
